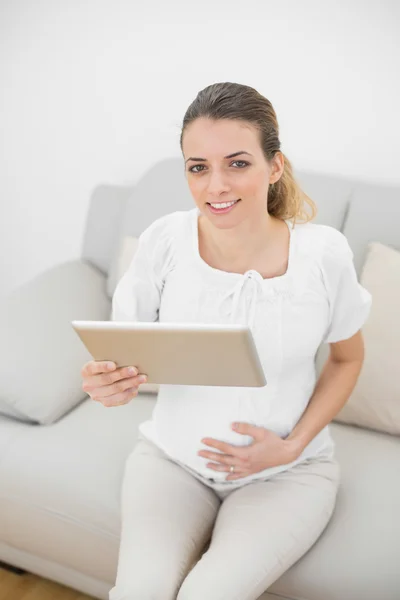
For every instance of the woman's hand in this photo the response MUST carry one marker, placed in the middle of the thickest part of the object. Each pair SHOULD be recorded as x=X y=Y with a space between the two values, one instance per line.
x=109 y=385
x=268 y=450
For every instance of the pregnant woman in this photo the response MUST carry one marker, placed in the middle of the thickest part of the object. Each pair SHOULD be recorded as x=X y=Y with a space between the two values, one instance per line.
x=227 y=487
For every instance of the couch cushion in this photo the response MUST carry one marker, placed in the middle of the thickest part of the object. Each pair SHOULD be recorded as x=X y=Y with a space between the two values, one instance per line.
x=73 y=516
x=60 y=484
x=331 y=195
x=375 y=401
x=374 y=216
x=41 y=356
x=121 y=262
x=101 y=236
x=357 y=556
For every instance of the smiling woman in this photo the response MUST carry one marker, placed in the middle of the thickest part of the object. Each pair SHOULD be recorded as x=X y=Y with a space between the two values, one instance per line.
x=241 y=182
x=251 y=469
x=235 y=117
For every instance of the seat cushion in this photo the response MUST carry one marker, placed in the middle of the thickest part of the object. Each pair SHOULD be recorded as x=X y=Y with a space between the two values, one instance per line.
x=357 y=556
x=61 y=483
x=60 y=500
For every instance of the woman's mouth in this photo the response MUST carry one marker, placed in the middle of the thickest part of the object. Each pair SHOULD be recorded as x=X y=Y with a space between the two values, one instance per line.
x=222 y=207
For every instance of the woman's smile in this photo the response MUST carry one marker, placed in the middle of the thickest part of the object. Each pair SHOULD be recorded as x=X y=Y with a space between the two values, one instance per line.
x=222 y=207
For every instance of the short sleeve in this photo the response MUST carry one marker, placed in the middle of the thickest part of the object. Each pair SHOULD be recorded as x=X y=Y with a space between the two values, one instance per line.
x=349 y=301
x=137 y=296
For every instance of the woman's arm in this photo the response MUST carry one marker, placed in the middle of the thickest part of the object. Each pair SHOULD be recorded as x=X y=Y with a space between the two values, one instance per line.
x=334 y=387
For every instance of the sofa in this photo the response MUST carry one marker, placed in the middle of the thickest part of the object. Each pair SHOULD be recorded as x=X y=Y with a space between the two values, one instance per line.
x=62 y=455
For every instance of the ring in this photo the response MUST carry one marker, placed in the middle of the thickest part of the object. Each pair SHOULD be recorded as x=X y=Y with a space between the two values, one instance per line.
x=232 y=468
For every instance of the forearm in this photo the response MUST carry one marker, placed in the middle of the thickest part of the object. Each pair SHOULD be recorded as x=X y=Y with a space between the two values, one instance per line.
x=333 y=388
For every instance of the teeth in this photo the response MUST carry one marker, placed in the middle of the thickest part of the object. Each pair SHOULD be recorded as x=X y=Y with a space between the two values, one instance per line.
x=224 y=204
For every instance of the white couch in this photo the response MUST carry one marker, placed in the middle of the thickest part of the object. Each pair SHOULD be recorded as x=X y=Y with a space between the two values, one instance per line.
x=62 y=455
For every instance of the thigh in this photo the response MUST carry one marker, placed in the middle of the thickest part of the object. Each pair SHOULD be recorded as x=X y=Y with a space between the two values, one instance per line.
x=263 y=528
x=167 y=519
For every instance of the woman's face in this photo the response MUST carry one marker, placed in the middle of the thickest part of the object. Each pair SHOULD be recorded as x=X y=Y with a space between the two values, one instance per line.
x=216 y=177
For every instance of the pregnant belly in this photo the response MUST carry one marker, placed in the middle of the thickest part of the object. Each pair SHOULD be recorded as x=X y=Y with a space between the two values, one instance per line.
x=184 y=415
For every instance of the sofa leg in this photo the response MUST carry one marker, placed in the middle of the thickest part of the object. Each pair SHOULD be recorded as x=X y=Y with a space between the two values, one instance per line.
x=11 y=568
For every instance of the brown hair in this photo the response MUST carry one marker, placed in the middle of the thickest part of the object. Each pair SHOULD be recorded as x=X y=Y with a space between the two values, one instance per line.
x=286 y=200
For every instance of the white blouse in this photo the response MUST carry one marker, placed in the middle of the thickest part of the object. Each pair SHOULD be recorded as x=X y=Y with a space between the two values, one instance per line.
x=318 y=299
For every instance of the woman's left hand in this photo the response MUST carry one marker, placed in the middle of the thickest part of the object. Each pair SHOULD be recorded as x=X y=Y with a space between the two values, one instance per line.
x=268 y=450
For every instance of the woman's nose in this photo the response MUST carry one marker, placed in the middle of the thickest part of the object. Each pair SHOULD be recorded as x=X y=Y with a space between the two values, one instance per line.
x=217 y=183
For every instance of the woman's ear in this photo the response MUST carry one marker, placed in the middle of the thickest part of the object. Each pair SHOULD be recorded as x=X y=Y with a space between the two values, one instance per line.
x=278 y=165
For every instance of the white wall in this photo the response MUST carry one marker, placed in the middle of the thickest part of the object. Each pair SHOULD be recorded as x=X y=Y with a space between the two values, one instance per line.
x=94 y=91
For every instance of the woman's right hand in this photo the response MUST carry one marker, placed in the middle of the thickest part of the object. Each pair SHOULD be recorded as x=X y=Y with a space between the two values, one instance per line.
x=111 y=386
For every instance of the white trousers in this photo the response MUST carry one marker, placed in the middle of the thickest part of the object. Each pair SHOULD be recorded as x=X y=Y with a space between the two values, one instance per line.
x=184 y=540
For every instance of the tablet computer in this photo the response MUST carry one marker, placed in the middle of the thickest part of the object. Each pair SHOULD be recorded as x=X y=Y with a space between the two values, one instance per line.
x=177 y=353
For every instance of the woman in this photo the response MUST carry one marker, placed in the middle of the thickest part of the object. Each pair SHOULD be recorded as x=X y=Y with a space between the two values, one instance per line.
x=212 y=509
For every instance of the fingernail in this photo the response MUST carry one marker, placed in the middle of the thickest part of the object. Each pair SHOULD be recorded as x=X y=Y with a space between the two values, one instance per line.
x=143 y=379
x=132 y=371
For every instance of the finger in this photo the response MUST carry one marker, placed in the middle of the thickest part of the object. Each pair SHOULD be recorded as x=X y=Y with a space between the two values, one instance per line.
x=120 y=399
x=238 y=451
x=225 y=468
x=103 y=379
x=247 y=429
x=117 y=375
x=94 y=367
x=118 y=387
x=227 y=459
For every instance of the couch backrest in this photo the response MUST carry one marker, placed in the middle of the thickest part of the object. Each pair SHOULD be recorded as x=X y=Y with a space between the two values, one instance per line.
x=363 y=212
x=373 y=216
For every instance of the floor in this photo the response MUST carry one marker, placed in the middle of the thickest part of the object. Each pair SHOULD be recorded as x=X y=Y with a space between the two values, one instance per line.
x=26 y=586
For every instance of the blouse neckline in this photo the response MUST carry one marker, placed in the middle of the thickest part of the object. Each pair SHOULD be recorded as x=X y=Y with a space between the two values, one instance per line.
x=228 y=275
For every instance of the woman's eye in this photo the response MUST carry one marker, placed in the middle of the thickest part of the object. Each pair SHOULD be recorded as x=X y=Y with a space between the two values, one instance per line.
x=242 y=162
x=194 y=167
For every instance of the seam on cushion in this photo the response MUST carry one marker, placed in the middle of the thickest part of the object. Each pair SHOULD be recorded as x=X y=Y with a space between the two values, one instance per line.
x=61 y=517
x=285 y=597
x=48 y=562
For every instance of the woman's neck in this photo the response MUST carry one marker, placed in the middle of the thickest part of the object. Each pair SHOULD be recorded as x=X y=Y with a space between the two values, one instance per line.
x=238 y=245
